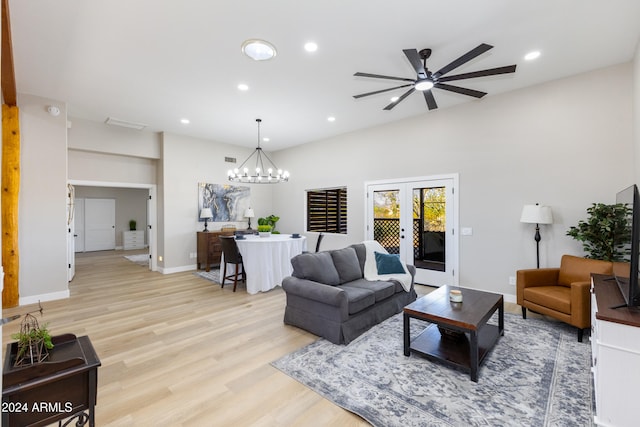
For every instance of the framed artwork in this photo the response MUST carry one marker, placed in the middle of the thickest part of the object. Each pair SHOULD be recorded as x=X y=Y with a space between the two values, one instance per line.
x=227 y=202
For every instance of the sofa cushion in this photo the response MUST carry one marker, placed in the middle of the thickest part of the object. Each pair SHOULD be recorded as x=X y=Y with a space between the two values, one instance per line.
x=359 y=298
x=361 y=252
x=388 y=263
x=346 y=263
x=381 y=289
x=315 y=266
x=557 y=298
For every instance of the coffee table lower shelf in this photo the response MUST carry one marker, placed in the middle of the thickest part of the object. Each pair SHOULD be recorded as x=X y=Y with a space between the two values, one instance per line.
x=455 y=352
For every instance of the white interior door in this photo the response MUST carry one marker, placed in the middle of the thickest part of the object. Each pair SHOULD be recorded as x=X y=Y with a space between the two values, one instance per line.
x=100 y=224
x=417 y=219
x=78 y=220
x=71 y=247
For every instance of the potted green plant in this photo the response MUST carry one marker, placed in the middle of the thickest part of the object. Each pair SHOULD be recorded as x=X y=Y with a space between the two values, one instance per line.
x=264 y=228
x=33 y=342
x=272 y=220
x=132 y=225
x=603 y=233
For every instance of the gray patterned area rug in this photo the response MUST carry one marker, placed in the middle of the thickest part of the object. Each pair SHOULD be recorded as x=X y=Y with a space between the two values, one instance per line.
x=140 y=259
x=538 y=374
x=212 y=275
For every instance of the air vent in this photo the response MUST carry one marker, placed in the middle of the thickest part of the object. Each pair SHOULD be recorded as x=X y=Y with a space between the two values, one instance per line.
x=230 y=159
x=124 y=123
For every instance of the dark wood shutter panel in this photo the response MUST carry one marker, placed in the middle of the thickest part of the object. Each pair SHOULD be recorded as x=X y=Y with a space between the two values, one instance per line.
x=327 y=210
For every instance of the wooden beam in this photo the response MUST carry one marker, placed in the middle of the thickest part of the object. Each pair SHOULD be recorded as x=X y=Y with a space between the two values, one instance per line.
x=9 y=202
x=8 y=78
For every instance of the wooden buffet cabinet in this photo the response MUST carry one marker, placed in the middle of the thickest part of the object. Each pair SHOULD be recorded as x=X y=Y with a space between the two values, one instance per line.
x=615 y=352
x=210 y=248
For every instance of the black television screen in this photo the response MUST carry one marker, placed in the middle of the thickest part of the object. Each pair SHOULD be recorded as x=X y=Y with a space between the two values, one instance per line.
x=626 y=272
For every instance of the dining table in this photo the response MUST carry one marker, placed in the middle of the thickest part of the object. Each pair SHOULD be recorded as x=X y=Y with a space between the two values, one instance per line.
x=267 y=260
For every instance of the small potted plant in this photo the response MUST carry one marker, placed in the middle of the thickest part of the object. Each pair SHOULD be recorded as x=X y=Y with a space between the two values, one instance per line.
x=34 y=342
x=264 y=228
x=271 y=220
x=132 y=225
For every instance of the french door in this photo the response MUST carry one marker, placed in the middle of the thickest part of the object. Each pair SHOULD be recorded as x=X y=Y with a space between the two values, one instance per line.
x=417 y=219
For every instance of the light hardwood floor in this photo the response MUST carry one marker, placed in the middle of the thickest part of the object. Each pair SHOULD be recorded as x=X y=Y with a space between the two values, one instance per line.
x=177 y=350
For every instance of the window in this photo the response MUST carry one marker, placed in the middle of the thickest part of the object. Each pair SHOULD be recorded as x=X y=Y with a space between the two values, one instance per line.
x=327 y=210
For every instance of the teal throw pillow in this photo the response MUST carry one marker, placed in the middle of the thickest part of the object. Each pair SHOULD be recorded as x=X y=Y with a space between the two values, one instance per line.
x=388 y=263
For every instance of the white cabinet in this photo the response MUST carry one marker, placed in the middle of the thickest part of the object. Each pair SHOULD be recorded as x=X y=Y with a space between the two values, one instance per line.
x=615 y=341
x=133 y=240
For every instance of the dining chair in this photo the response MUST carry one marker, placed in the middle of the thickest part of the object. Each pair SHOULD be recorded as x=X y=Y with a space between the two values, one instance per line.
x=232 y=256
x=320 y=236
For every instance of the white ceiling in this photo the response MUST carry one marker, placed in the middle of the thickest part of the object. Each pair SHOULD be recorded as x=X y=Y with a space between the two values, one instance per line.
x=157 y=61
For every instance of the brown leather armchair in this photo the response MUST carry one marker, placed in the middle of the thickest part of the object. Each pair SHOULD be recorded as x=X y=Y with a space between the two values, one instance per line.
x=562 y=293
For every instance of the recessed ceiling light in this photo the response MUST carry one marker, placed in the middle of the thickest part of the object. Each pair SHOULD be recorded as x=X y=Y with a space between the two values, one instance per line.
x=266 y=139
x=331 y=119
x=310 y=47
x=243 y=87
x=532 y=55
x=258 y=50
x=184 y=121
x=395 y=98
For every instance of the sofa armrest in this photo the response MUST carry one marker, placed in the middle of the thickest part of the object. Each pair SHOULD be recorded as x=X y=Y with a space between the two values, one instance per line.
x=412 y=270
x=581 y=304
x=315 y=291
x=535 y=277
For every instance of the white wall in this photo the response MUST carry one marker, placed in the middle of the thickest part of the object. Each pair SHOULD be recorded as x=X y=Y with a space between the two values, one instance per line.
x=42 y=205
x=186 y=162
x=102 y=138
x=566 y=144
x=104 y=168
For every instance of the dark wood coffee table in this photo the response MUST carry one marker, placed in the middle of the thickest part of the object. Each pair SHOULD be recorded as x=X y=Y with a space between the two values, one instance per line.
x=458 y=334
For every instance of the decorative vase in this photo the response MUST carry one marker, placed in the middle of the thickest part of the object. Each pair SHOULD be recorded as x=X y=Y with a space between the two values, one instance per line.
x=264 y=233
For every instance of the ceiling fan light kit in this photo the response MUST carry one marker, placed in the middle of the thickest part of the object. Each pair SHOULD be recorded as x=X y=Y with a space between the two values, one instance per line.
x=426 y=80
x=264 y=171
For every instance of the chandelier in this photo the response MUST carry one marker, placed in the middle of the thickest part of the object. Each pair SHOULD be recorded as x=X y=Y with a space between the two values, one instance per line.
x=264 y=171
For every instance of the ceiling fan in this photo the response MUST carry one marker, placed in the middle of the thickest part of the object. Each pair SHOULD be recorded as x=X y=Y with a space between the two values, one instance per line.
x=426 y=80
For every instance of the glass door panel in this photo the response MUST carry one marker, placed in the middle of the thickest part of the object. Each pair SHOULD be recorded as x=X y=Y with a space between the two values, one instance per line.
x=415 y=219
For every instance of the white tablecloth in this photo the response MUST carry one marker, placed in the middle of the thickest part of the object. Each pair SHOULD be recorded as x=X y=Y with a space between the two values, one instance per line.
x=267 y=260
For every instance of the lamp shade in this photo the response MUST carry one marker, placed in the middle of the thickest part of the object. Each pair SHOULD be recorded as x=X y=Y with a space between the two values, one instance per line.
x=248 y=213
x=536 y=214
x=206 y=213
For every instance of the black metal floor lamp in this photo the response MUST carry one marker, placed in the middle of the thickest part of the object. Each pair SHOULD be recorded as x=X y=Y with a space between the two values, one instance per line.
x=536 y=214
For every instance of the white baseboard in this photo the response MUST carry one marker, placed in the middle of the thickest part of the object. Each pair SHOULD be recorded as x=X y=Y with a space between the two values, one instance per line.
x=177 y=269
x=43 y=297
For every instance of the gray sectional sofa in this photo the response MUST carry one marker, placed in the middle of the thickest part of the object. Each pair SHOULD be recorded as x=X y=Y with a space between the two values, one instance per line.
x=328 y=295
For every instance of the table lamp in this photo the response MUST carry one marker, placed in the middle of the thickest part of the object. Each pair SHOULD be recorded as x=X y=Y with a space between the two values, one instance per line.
x=206 y=214
x=536 y=214
x=248 y=213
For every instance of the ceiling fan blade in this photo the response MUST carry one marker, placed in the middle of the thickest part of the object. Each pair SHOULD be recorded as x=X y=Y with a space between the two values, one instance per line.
x=404 y=95
x=362 y=95
x=431 y=101
x=463 y=59
x=461 y=90
x=414 y=59
x=378 y=76
x=483 y=73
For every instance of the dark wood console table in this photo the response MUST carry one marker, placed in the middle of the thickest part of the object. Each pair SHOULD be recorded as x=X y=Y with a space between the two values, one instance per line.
x=62 y=387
